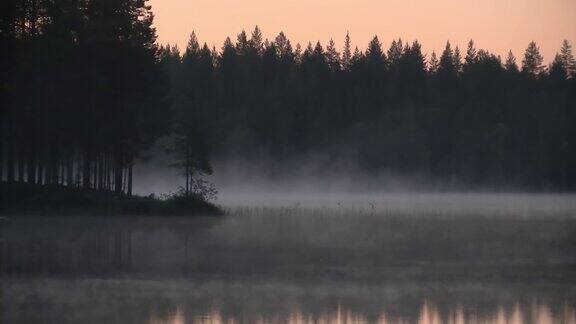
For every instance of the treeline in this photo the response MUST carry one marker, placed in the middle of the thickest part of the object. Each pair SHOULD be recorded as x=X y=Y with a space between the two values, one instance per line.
x=81 y=91
x=465 y=116
x=84 y=90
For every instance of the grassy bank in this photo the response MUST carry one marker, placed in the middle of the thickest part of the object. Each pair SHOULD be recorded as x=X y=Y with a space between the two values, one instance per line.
x=27 y=199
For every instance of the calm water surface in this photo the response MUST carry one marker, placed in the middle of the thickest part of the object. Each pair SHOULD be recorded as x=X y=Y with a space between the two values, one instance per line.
x=304 y=259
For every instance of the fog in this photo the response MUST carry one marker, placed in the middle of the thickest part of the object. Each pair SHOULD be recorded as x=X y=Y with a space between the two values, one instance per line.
x=311 y=245
x=341 y=185
x=293 y=264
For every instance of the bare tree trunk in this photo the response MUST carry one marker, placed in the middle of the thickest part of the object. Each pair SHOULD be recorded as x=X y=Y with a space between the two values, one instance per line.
x=86 y=164
x=10 y=162
x=108 y=181
x=49 y=173
x=124 y=178
x=130 y=166
x=118 y=174
x=62 y=165
x=187 y=171
x=1 y=151
x=70 y=170
x=41 y=165
x=79 y=168
x=31 y=173
x=21 y=165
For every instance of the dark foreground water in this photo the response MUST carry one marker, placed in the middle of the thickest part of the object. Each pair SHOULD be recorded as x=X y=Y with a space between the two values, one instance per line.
x=393 y=259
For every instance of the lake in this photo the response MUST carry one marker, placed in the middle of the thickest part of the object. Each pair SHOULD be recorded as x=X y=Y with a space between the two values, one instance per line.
x=301 y=258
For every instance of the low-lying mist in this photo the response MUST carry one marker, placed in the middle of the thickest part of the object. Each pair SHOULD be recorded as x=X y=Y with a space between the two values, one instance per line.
x=318 y=182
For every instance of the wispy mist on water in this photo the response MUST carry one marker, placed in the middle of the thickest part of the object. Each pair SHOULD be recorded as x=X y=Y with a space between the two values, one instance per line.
x=518 y=204
x=301 y=258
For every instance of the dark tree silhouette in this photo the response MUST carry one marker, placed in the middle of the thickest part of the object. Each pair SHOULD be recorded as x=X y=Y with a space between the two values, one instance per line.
x=101 y=92
x=511 y=65
x=81 y=111
x=532 y=63
x=567 y=59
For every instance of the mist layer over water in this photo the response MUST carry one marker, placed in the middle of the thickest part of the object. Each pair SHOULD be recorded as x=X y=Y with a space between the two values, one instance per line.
x=301 y=257
x=415 y=203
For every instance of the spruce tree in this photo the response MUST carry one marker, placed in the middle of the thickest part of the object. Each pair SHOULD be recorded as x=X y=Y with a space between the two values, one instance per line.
x=395 y=51
x=242 y=43
x=433 y=64
x=446 y=67
x=374 y=53
x=457 y=60
x=193 y=46
x=357 y=56
x=282 y=44
x=470 y=54
x=256 y=41
x=332 y=56
x=346 y=53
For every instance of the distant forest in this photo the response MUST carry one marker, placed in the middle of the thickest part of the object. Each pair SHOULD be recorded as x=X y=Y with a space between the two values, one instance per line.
x=85 y=89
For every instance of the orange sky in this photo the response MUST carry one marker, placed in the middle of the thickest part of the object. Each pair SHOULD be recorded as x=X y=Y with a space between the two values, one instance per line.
x=496 y=25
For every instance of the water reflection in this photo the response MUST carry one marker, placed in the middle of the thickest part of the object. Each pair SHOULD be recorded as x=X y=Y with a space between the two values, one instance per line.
x=212 y=300
x=428 y=314
x=290 y=265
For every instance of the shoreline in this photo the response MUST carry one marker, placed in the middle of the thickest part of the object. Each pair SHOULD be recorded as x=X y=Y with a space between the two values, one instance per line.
x=22 y=199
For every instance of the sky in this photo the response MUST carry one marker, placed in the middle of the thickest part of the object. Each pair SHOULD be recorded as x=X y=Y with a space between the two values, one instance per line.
x=495 y=25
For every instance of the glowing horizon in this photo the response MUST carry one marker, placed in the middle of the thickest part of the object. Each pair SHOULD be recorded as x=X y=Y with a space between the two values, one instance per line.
x=497 y=26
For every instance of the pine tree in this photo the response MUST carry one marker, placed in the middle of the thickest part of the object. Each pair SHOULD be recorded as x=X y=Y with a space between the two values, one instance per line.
x=298 y=53
x=470 y=54
x=567 y=59
x=347 y=53
x=308 y=51
x=357 y=56
x=242 y=43
x=457 y=60
x=557 y=70
x=318 y=51
x=256 y=41
x=395 y=51
x=227 y=46
x=282 y=44
x=446 y=67
x=532 y=63
x=510 y=64
x=193 y=46
x=332 y=56
x=413 y=63
x=284 y=48
x=374 y=54
x=416 y=54
x=433 y=64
